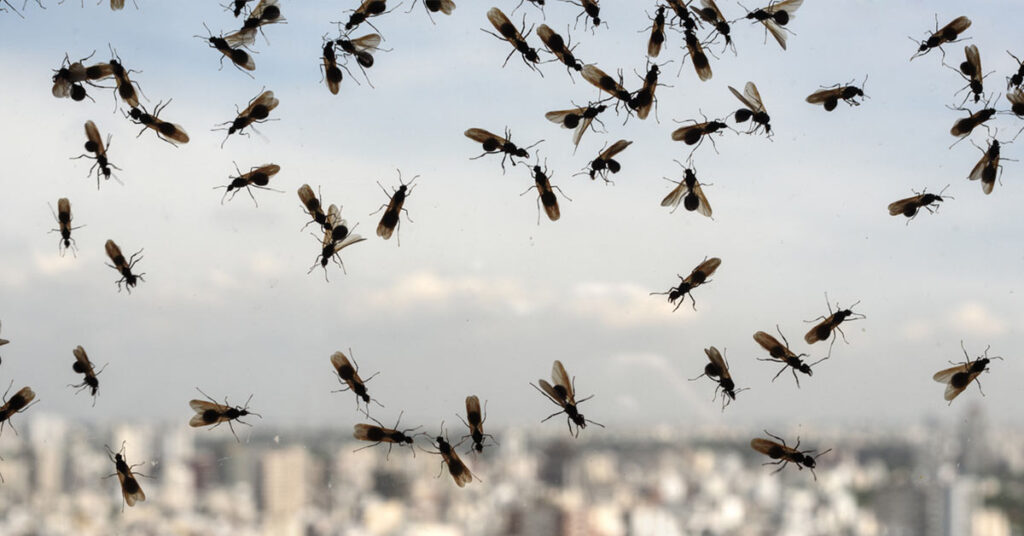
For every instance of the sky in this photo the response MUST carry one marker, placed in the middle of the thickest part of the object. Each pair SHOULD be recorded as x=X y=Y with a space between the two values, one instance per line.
x=479 y=298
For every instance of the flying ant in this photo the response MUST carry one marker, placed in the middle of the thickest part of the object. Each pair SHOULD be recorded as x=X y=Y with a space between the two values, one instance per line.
x=209 y=412
x=361 y=48
x=433 y=6
x=130 y=489
x=1017 y=78
x=970 y=70
x=265 y=12
x=712 y=15
x=378 y=434
x=538 y=3
x=63 y=217
x=988 y=169
x=236 y=7
x=657 y=32
x=332 y=73
x=563 y=394
x=94 y=144
x=125 y=86
x=829 y=97
x=83 y=366
x=829 y=325
x=786 y=454
x=781 y=353
x=128 y=278
x=601 y=80
x=697 y=55
x=947 y=34
x=493 y=144
x=754 y=109
x=514 y=36
x=697 y=277
x=16 y=404
x=257 y=111
x=369 y=8
x=559 y=48
x=775 y=17
x=241 y=59
x=605 y=161
x=694 y=134
x=545 y=192
x=256 y=177
x=337 y=236
x=591 y=11
x=964 y=126
x=313 y=207
x=580 y=118
x=908 y=207
x=67 y=81
x=643 y=99
x=390 y=222
x=348 y=375
x=718 y=371
x=682 y=14
x=957 y=378
x=688 y=191
x=1016 y=99
x=475 y=422
x=169 y=132
x=460 y=473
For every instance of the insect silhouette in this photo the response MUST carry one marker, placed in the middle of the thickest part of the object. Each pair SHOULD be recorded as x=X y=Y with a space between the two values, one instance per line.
x=545 y=192
x=460 y=473
x=128 y=278
x=908 y=207
x=829 y=97
x=85 y=367
x=1017 y=78
x=754 y=109
x=209 y=412
x=947 y=34
x=781 y=353
x=63 y=217
x=348 y=375
x=697 y=277
x=970 y=70
x=337 y=236
x=475 y=422
x=988 y=169
x=563 y=394
x=256 y=177
x=94 y=144
x=775 y=17
x=694 y=134
x=605 y=161
x=434 y=6
x=131 y=491
x=16 y=404
x=257 y=111
x=601 y=80
x=67 y=81
x=643 y=99
x=361 y=48
x=698 y=57
x=778 y=450
x=169 y=132
x=236 y=7
x=378 y=434
x=718 y=371
x=266 y=12
x=390 y=222
x=657 y=33
x=312 y=205
x=125 y=87
x=369 y=8
x=517 y=39
x=964 y=126
x=591 y=10
x=332 y=73
x=580 y=118
x=494 y=144
x=689 y=192
x=557 y=45
x=712 y=15
x=829 y=325
x=241 y=59
x=958 y=377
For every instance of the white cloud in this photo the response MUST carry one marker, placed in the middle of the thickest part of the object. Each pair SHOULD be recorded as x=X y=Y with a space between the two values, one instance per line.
x=976 y=319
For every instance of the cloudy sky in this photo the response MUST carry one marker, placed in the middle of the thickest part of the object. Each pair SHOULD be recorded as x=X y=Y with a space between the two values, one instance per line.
x=479 y=298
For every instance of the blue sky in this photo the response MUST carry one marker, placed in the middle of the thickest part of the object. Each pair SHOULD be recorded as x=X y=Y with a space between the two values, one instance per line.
x=479 y=299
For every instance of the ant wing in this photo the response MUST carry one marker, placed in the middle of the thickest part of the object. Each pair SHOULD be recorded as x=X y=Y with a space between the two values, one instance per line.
x=958 y=25
x=93 y=135
x=560 y=115
x=944 y=376
x=550 y=391
x=504 y=26
x=899 y=207
x=767 y=341
x=483 y=136
x=812 y=336
x=367 y=42
x=704 y=208
x=676 y=195
x=615 y=149
x=716 y=358
x=707 y=267
x=979 y=168
x=789 y=6
x=562 y=379
x=764 y=446
x=819 y=97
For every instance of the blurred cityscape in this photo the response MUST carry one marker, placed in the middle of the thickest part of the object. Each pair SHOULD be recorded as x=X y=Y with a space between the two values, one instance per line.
x=919 y=480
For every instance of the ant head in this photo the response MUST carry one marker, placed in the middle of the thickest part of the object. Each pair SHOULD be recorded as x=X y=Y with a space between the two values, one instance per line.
x=366 y=398
x=806 y=369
